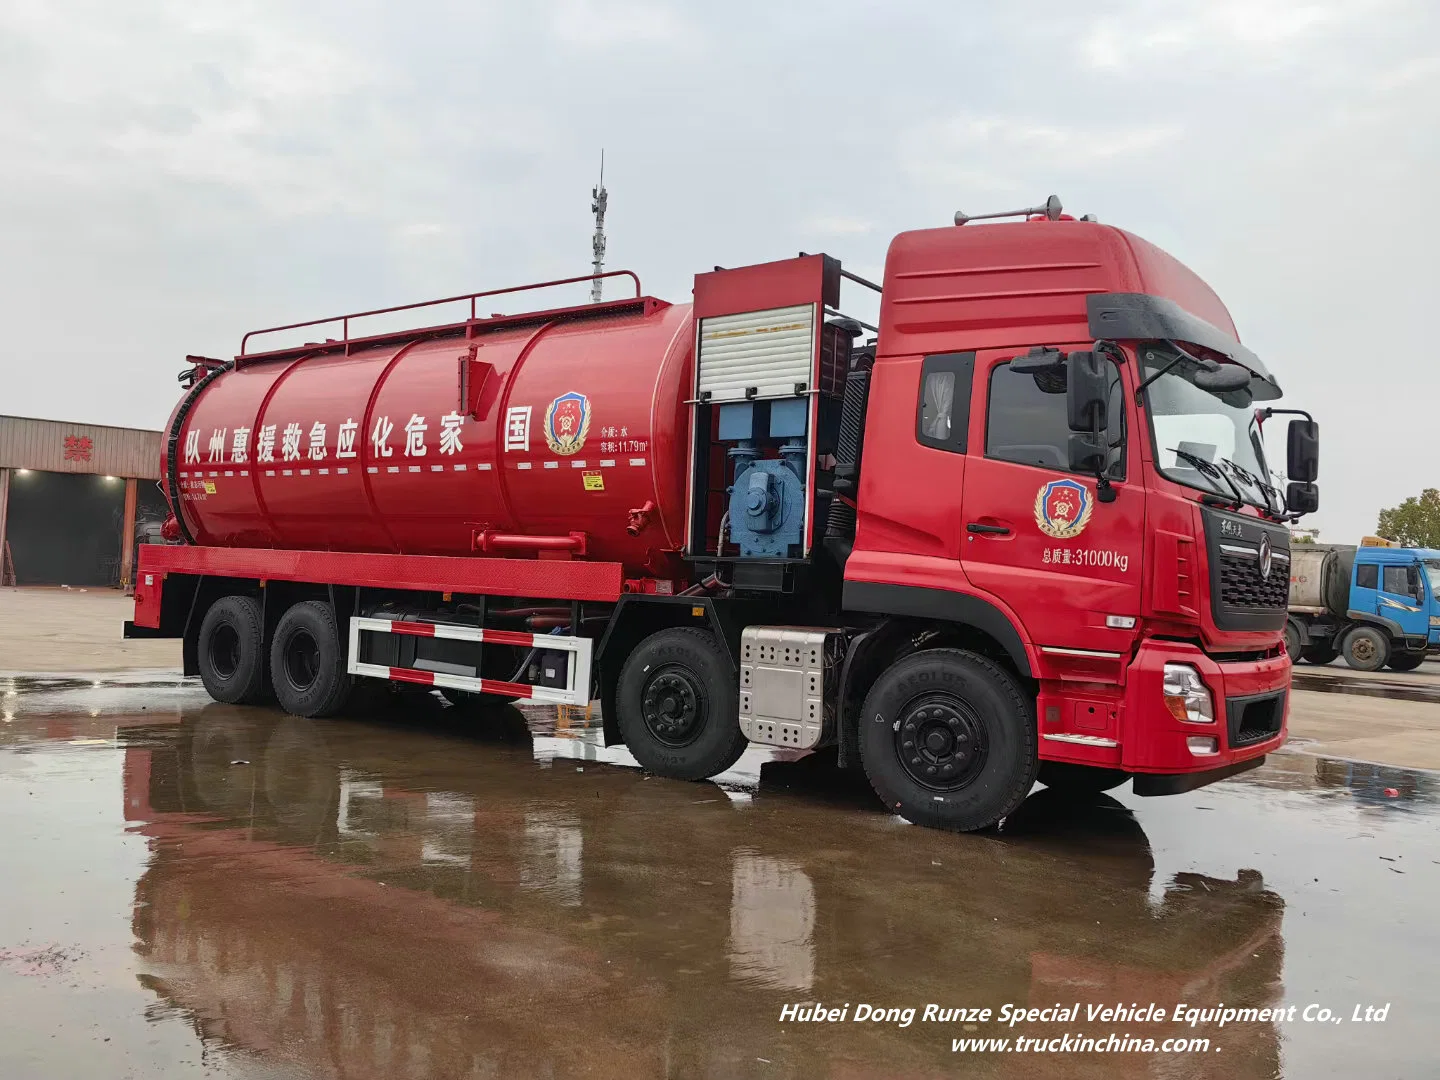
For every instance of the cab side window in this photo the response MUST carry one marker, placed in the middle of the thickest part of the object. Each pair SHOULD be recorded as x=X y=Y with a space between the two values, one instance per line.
x=1399 y=580
x=1026 y=420
x=1367 y=576
x=943 y=412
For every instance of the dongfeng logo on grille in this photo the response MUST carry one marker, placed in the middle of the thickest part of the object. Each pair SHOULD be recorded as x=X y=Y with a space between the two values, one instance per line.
x=1266 y=557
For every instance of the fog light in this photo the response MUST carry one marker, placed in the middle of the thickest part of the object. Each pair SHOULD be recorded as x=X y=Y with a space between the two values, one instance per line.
x=1186 y=695
x=1199 y=745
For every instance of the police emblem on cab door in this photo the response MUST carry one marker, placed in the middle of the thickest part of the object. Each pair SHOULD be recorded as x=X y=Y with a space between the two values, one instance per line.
x=1062 y=509
x=567 y=422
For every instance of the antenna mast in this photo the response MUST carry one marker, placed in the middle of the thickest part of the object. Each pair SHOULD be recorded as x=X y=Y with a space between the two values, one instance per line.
x=598 y=198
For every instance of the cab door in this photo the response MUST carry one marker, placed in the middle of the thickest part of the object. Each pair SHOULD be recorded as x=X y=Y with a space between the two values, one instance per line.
x=1401 y=598
x=1036 y=535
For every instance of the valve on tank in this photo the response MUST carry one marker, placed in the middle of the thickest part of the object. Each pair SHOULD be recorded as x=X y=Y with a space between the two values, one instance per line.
x=767 y=493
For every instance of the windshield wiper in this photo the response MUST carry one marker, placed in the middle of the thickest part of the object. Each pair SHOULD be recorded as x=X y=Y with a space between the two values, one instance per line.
x=1266 y=491
x=1209 y=468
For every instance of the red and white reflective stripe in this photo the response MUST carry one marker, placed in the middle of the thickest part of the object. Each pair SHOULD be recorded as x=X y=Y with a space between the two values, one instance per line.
x=455 y=632
x=575 y=692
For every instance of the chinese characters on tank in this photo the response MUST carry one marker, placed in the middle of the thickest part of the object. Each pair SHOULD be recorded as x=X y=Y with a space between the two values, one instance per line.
x=567 y=422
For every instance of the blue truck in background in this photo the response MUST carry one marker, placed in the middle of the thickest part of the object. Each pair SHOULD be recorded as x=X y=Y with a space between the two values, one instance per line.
x=1373 y=605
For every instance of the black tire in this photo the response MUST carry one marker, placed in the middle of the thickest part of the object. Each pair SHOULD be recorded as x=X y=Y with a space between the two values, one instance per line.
x=1365 y=648
x=1321 y=653
x=1071 y=779
x=307 y=661
x=963 y=701
x=1294 y=641
x=1406 y=661
x=231 y=651
x=677 y=705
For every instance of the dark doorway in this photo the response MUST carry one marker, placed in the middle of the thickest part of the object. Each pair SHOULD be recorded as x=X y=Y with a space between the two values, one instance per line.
x=64 y=528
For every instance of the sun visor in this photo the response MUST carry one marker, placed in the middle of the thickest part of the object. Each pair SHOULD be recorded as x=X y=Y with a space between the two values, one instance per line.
x=1141 y=317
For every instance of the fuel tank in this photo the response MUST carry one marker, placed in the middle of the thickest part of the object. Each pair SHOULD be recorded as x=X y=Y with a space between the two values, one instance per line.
x=470 y=440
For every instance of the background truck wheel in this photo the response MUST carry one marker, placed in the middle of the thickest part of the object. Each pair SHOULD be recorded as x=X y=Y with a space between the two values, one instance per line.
x=1322 y=653
x=677 y=705
x=1406 y=661
x=1080 y=780
x=1365 y=649
x=307 y=661
x=948 y=740
x=231 y=651
x=1294 y=641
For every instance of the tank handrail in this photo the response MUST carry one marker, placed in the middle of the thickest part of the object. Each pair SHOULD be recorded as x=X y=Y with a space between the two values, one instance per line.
x=344 y=320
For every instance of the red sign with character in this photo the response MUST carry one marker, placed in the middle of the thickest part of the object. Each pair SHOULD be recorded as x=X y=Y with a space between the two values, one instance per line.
x=78 y=447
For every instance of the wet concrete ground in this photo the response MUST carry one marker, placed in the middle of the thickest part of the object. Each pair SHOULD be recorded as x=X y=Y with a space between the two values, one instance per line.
x=195 y=889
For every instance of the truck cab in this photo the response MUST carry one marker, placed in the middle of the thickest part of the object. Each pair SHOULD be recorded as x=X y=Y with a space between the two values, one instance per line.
x=1128 y=548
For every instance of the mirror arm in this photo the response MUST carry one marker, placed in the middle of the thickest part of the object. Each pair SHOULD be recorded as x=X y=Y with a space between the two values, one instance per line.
x=1180 y=354
x=1265 y=414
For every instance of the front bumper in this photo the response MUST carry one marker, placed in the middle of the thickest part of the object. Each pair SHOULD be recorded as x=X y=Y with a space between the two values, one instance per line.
x=1251 y=703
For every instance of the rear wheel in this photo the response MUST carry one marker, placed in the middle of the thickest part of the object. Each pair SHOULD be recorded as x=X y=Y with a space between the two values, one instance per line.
x=1406 y=661
x=948 y=740
x=230 y=651
x=1321 y=653
x=677 y=705
x=307 y=661
x=1365 y=649
x=1294 y=641
x=1071 y=779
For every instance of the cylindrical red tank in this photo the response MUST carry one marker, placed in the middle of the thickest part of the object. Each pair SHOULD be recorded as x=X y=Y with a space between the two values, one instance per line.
x=577 y=422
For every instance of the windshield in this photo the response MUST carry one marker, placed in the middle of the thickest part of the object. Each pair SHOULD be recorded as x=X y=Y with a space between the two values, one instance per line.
x=1204 y=440
x=1432 y=574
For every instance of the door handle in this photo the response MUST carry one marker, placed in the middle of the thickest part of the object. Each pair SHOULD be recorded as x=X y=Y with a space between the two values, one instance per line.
x=989 y=530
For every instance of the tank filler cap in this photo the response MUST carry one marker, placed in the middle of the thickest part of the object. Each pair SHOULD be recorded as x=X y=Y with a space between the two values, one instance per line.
x=1051 y=211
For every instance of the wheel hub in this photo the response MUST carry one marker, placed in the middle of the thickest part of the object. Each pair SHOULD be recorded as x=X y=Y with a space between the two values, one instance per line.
x=672 y=707
x=302 y=660
x=225 y=651
x=941 y=741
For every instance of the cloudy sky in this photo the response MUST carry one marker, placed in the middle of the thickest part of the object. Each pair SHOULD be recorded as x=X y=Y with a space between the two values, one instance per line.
x=176 y=172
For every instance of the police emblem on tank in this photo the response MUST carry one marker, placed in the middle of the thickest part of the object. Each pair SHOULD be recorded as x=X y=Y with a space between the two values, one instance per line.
x=567 y=422
x=1062 y=509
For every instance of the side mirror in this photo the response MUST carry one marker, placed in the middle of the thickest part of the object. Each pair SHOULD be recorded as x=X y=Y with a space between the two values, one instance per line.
x=1302 y=451
x=1300 y=498
x=1088 y=452
x=1087 y=395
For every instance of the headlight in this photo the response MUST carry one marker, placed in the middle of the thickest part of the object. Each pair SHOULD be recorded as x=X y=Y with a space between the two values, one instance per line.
x=1435 y=620
x=1186 y=695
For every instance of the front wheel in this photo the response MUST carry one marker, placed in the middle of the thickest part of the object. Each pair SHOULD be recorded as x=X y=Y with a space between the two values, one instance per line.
x=948 y=740
x=678 y=707
x=1365 y=649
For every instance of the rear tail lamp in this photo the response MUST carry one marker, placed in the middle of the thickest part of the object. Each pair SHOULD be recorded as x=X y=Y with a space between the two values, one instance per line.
x=1186 y=695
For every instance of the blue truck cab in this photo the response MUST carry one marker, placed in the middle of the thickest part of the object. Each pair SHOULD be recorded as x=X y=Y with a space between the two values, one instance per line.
x=1375 y=606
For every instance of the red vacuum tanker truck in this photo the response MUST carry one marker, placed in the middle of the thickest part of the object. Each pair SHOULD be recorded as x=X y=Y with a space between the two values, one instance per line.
x=1025 y=530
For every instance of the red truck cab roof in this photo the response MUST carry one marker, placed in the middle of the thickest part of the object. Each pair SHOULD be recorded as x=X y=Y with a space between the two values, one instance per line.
x=1022 y=283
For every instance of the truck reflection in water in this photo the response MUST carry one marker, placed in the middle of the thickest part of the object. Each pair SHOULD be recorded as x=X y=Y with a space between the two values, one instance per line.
x=362 y=899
